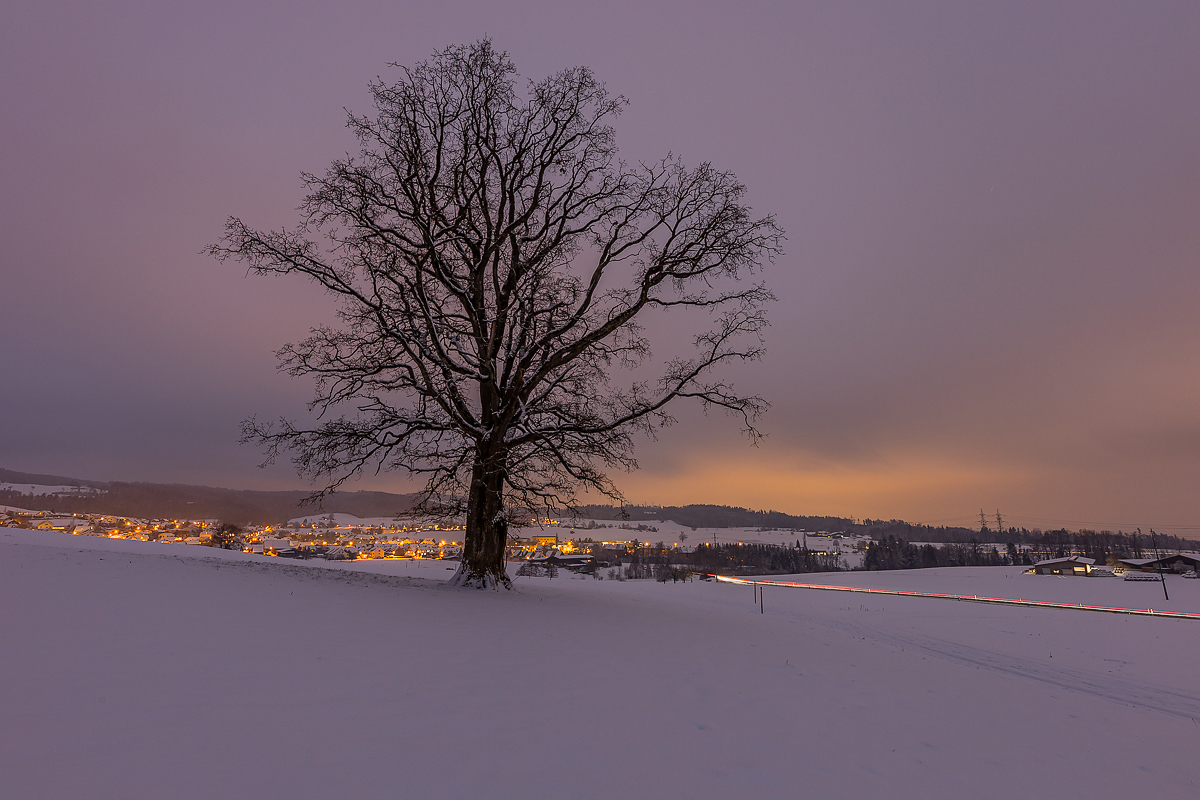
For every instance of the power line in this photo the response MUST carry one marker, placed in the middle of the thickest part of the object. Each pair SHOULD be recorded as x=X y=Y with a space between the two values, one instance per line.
x=1097 y=523
x=981 y=517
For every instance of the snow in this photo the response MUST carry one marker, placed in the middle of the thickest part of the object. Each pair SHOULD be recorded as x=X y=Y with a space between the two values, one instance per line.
x=1011 y=583
x=137 y=670
x=1066 y=560
x=16 y=510
x=675 y=534
x=41 y=489
x=343 y=520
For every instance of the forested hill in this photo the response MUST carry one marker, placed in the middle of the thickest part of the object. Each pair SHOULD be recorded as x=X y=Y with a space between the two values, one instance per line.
x=34 y=478
x=1055 y=542
x=710 y=516
x=178 y=501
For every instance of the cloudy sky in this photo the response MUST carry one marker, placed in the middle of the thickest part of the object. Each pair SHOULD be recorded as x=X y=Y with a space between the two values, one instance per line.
x=989 y=298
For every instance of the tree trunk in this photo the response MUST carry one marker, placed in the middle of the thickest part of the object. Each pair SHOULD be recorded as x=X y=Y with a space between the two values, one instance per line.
x=482 y=563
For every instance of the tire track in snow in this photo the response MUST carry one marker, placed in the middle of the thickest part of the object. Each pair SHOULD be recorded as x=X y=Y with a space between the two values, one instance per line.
x=1139 y=694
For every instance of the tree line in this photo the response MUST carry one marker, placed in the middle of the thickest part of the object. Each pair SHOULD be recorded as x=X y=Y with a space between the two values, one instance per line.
x=1099 y=545
x=704 y=515
x=894 y=553
x=646 y=561
x=1055 y=543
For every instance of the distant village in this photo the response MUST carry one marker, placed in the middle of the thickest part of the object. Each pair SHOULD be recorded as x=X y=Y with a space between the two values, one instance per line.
x=634 y=550
x=613 y=549
x=319 y=537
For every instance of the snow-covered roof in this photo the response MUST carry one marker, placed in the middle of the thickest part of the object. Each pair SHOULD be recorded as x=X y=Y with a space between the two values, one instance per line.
x=1141 y=562
x=1066 y=560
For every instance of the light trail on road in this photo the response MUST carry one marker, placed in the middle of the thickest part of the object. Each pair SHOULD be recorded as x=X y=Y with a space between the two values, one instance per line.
x=1004 y=601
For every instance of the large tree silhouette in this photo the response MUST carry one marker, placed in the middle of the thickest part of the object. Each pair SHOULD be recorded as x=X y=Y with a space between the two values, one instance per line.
x=492 y=255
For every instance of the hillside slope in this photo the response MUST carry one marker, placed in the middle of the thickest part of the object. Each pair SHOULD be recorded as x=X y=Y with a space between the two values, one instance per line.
x=137 y=671
x=172 y=501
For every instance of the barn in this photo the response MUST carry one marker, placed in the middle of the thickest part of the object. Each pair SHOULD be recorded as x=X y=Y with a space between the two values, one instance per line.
x=1068 y=565
x=1173 y=562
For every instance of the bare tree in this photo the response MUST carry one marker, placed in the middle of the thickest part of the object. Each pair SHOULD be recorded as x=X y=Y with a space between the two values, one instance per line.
x=492 y=255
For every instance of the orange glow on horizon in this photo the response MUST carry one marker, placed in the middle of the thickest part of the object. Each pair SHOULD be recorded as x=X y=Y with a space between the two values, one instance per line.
x=913 y=489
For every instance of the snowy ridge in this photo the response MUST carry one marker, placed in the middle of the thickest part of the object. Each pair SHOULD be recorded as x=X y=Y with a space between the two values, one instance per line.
x=38 y=490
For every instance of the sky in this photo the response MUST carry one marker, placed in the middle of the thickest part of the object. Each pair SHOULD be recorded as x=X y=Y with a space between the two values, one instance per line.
x=988 y=298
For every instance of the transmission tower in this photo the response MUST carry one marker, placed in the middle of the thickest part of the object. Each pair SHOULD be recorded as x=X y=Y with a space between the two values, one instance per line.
x=999 y=522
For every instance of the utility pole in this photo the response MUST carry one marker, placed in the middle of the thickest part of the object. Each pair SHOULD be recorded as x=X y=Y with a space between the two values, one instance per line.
x=1158 y=559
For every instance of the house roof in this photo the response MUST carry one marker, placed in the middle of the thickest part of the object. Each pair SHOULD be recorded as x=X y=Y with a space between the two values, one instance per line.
x=1170 y=556
x=1066 y=560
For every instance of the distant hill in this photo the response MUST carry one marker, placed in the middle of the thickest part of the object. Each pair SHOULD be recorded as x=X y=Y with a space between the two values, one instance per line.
x=180 y=501
x=9 y=476
x=710 y=516
x=161 y=500
x=171 y=501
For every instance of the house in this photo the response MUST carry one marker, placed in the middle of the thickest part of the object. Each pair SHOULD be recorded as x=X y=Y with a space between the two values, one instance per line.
x=1173 y=562
x=64 y=524
x=1069 y=565
x=575 y=562
x=1177 y=562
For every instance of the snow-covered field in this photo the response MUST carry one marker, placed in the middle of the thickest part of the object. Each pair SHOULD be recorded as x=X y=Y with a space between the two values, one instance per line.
x=135 y=670
x=38 y=489
x=343 y=520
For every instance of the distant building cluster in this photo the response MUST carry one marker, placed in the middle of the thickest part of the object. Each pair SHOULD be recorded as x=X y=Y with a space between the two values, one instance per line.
x=323 y=538
x=1131 y=569
x=182 y=531
x=541 y=546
